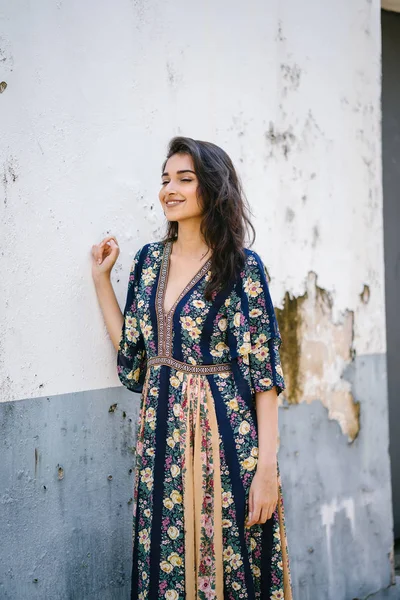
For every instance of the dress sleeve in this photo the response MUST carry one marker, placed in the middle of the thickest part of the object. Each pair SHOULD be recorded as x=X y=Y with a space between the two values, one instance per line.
x=132 y=356
x=254 y=333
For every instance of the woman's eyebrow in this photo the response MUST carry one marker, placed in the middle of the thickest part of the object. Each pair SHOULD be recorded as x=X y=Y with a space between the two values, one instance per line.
x=181 y=171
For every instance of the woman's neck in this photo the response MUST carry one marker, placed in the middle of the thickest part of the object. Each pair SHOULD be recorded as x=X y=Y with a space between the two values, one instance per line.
x=190 y=243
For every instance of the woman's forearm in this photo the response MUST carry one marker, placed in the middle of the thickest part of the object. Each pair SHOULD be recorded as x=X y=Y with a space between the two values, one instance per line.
x=267 y=424
x=112 y=314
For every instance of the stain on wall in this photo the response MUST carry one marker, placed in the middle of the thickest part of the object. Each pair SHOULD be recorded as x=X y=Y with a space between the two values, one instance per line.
x=282 y=140
x=10 y=175
x=6 y=57
x=292 y=75
x=315 y=353
x=365 y=294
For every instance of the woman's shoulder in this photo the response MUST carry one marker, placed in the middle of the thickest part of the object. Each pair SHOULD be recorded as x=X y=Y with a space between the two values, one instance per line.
x=253 y=259
x=254 y=266
x=153 y=249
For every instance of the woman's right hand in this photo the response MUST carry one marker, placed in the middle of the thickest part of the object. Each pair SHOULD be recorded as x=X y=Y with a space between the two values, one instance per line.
x=104 y=256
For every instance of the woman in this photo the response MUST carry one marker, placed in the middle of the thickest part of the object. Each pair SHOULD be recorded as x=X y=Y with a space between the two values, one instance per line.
x=199 y=340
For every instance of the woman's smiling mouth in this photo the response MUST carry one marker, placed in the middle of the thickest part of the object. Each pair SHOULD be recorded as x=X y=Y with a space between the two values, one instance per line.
x=174 y=202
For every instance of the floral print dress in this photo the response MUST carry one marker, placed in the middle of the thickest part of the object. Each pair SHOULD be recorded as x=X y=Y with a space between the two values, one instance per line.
x=198 y=368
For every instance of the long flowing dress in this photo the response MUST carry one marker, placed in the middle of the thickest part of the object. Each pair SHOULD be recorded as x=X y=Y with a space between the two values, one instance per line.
x=197 y=368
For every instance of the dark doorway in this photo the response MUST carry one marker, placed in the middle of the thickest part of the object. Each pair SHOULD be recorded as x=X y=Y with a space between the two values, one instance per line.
x=391 y=214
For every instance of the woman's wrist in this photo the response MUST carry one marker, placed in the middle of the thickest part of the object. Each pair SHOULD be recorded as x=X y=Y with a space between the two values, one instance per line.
x=267 y=464
x=101 y=279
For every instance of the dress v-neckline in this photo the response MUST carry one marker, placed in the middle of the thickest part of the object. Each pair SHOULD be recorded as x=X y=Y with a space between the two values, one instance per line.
x=165 y=318
x=199 y=273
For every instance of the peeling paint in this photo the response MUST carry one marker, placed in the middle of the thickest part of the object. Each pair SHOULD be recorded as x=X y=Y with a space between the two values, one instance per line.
x=365 y=294
x=315 y=353
x=289 y=323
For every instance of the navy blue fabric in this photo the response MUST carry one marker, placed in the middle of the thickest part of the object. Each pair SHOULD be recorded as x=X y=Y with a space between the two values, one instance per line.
x=242 y=383
x=123 y=360
x=159 y=475
x=205 y=341
x=267 y=538
x=135 y=574
x=226 y=432
x=143 y=254
x=273 y=323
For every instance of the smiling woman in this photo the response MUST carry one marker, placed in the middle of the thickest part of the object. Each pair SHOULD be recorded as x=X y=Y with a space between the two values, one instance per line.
x=200 y=341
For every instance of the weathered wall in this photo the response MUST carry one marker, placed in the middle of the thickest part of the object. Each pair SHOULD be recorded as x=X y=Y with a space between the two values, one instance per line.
x=92 y=92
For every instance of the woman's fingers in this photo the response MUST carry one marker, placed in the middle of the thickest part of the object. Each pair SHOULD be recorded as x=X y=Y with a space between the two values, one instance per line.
x=111 y=250
x=260 y=513
x=251 y=508
x=263 y=501
x=254 y=511
x=107 y=239
x=105 y=255
x=99 y=253
x=267 y=512
x=113 y=245
x=96 y=252
x=107 y=247
x=251 y=501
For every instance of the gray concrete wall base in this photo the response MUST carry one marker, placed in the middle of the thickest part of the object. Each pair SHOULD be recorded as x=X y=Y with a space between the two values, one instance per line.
x=66 y=475
x=390 y=593
x=337 y=495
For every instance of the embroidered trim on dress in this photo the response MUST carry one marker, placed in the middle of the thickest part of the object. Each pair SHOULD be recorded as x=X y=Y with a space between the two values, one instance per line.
x=165 y=320
x=181 y=366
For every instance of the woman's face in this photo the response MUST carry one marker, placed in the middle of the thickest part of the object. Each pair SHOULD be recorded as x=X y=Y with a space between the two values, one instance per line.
x=178 y=189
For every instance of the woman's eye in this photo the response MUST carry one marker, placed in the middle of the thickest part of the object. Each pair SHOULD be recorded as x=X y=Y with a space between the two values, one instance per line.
x=164 y=182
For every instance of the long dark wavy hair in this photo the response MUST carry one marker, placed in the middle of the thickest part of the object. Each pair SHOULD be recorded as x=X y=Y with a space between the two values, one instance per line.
x=226 y=212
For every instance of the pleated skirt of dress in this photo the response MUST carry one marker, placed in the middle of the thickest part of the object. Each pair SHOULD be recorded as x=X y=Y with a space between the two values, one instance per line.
x=209 y=562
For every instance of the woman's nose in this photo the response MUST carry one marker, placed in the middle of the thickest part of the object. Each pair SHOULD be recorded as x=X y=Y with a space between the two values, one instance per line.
x=170 y=187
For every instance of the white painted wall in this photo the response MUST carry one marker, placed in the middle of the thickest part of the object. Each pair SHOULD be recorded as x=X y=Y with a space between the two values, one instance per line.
x=94 y=92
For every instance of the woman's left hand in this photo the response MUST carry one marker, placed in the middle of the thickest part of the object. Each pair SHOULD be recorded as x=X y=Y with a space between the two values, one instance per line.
x=263 y=495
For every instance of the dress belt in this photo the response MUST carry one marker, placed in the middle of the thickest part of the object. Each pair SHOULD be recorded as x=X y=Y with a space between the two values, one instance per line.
x=188 y=368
